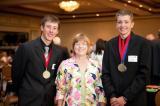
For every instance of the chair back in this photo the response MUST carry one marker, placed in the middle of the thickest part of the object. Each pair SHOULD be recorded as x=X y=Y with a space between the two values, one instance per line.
x=157 y=98
x=6 y=72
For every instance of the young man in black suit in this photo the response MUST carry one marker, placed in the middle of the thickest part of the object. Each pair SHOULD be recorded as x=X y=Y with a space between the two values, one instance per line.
x=126 y=65
x=34 y=68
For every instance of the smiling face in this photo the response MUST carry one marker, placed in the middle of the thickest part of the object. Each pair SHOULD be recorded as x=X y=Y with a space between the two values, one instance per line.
x=81 y=48
x=49 y=31
x=124 y=25
x=81 y=45
x=49 y=28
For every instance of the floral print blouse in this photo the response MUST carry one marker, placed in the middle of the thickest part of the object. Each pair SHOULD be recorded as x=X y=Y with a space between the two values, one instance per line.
x=77 y=88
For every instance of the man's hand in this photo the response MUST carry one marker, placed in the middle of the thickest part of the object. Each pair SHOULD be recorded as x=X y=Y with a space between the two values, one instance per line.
x=114 y=102
x=121 y=101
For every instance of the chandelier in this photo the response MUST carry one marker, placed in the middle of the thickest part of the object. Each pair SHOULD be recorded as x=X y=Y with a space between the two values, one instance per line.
x=69 y=6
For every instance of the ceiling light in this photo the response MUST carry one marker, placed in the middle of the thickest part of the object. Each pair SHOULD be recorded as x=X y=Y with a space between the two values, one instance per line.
x=69 y=6
x=73 y=16
x=141 y=5
x=150 y=9
x=129 y=1
x=97 y=15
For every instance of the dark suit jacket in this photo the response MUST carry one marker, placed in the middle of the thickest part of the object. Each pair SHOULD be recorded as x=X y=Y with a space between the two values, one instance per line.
x=65 y=52
x=28 y=66
x=130 y=84
x=155 y=75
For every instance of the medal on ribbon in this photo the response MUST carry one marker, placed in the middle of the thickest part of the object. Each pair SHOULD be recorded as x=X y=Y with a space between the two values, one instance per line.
x=122 y=67
x=123 y=51
x=46 y=73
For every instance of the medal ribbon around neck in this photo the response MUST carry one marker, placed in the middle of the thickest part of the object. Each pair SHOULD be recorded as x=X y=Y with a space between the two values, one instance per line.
x=46 y=60
x=123 y=51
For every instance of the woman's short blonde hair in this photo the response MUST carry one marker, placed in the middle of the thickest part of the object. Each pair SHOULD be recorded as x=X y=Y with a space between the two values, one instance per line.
x=81 y=37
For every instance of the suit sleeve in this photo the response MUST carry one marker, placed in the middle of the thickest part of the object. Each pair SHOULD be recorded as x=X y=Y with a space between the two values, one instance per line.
x=65 y=54
x=155 y=62
x=106 y=77
x=142 y=76
x=18 y=67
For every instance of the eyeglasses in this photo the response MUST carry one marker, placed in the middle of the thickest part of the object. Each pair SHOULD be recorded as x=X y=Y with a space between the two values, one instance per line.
x=82 y=45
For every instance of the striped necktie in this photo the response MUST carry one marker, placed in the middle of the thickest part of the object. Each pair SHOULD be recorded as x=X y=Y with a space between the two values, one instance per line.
x=46 y=52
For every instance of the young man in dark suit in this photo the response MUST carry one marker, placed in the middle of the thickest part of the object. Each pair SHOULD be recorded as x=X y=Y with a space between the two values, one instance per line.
x=126 y=65
x=34 y=68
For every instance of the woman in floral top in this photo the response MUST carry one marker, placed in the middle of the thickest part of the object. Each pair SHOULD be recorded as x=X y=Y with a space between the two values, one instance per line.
x=78 y=78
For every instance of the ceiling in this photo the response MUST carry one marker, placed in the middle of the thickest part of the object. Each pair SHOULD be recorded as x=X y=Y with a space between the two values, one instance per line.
x=87 y=9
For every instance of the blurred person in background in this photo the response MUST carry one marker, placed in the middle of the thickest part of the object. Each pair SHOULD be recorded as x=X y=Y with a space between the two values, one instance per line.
x=155 y=63
x=98 y=51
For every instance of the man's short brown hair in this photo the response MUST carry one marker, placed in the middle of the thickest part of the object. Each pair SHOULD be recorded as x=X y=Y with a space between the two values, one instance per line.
x=50 y=18
x=124 y=12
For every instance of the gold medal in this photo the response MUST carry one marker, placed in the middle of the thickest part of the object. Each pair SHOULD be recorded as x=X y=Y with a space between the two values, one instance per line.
x=46 y=74
x=122 y=67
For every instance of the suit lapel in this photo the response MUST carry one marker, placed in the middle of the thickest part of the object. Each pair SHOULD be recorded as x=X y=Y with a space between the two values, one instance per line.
x=115 y=50
x=53 y=57
x=39 y=51
x=131 y=43
x=130 y=46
